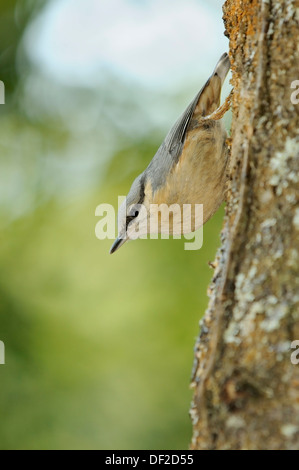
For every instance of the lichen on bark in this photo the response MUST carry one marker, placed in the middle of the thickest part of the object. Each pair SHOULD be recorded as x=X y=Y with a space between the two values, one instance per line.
x=246 y=389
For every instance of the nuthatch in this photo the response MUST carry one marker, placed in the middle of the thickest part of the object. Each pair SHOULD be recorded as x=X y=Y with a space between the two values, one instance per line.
x=188 y=168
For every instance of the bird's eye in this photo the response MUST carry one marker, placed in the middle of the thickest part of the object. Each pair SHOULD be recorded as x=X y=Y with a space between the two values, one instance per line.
x=132 y=217
x=133 y=214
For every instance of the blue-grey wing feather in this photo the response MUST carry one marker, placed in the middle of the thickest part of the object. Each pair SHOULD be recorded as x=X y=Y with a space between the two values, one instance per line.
x=172 y=147
x=175 y=139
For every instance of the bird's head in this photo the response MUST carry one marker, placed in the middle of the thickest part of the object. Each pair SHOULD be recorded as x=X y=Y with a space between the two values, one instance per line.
x=133 y=214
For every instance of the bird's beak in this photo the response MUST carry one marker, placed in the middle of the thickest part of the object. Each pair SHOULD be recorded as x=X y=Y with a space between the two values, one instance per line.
x=117 y=244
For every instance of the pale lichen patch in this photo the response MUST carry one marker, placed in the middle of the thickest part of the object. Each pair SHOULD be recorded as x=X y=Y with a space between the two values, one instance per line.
x=296 y=219
x=289 y=430
x=235 y=422
x=273 y=317
x=268 y=223
x=293 y=258
x=291 y=198
x=231 y=334
x=283 y=346
x=280 y=167
x=248 y=325
x=271 y=29
x=266 y=197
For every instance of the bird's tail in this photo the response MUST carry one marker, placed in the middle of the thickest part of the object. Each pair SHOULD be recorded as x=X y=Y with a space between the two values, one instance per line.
x=209 y=97
x=222 y=67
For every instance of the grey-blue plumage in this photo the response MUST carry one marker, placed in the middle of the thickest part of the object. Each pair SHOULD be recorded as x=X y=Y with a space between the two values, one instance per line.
x=189 y=167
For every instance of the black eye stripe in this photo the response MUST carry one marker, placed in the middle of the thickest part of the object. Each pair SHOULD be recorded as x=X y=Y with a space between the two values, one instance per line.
x=142 y=188
x=129 y=218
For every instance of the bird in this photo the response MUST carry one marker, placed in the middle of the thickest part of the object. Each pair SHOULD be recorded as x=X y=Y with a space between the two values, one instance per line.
x=189 y=167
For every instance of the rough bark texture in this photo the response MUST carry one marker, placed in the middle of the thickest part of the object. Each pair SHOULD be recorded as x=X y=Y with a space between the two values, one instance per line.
x=246 y=388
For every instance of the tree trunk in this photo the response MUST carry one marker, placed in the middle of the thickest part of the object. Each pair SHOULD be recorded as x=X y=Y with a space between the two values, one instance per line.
x=246 y=386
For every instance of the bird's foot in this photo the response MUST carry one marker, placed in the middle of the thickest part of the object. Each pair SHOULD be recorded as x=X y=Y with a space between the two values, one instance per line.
x=220 y=112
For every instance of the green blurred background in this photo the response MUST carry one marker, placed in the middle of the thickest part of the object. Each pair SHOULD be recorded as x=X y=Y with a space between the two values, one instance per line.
x=99 y=348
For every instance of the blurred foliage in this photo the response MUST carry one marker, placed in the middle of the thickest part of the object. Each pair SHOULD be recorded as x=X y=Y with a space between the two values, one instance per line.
x=98 y=348
x=14 y=17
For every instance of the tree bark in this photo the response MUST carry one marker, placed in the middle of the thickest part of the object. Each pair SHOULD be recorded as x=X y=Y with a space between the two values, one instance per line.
x=246 y=389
